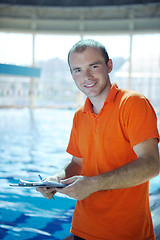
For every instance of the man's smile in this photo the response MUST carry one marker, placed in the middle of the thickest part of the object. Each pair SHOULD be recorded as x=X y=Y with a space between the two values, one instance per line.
x=90 y=85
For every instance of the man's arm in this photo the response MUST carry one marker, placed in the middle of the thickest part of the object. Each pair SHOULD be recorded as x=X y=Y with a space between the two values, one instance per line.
x=145 y=167
x=74 y=167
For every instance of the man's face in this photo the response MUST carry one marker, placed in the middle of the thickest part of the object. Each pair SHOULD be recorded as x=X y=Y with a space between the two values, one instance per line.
x=89 y=71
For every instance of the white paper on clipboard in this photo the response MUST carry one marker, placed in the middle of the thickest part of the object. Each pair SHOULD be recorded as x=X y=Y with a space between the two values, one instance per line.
x=23 y=183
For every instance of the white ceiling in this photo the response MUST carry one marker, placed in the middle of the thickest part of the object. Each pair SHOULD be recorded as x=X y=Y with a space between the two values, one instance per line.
x=138 y=18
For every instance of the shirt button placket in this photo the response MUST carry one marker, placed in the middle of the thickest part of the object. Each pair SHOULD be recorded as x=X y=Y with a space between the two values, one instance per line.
x=97 y=119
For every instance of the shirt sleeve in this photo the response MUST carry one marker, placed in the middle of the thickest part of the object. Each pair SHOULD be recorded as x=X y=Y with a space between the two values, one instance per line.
x=140 y=120
x=73 y=148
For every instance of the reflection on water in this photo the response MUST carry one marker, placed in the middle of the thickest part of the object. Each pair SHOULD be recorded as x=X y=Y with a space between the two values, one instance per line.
x=33 y=142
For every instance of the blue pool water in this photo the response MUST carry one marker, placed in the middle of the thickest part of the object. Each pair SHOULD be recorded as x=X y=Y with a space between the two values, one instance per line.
x=33 y=142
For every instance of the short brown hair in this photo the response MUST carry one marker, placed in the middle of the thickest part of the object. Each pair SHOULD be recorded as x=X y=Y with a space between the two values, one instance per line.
x=83 y=44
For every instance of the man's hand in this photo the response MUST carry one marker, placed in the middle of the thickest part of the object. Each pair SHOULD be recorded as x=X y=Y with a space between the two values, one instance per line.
x=79 y=187
x=46 y=191
x=74 y=167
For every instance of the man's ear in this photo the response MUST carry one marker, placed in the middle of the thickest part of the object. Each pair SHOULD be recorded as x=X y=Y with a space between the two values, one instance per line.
x=109 y=66
x=71 y=71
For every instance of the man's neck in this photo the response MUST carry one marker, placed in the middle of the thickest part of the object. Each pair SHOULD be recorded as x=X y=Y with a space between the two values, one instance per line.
x=98 y=102
x=97 y=108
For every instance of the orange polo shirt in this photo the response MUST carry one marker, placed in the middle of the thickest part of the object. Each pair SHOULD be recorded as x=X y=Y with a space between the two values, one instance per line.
x=105 y=142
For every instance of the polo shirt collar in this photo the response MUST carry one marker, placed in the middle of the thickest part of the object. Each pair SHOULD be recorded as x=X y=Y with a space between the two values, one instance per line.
x=110 y=98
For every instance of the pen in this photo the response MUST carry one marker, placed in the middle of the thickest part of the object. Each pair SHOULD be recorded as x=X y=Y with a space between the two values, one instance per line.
x=41 y=180
x=40 y=177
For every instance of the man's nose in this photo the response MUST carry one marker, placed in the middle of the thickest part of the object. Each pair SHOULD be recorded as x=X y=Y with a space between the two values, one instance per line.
x=87 y=75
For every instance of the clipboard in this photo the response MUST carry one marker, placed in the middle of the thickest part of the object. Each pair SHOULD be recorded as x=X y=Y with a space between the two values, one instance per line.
x=49 y=184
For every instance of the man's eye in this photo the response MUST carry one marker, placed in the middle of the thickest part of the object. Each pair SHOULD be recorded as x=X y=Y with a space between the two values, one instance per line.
x=76 y=70
x=95 y=66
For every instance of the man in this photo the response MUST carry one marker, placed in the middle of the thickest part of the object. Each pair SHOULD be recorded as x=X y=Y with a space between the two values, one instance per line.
x=114 y=144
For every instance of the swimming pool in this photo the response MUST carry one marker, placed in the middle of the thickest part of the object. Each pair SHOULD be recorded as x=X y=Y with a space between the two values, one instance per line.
x=33 y=142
